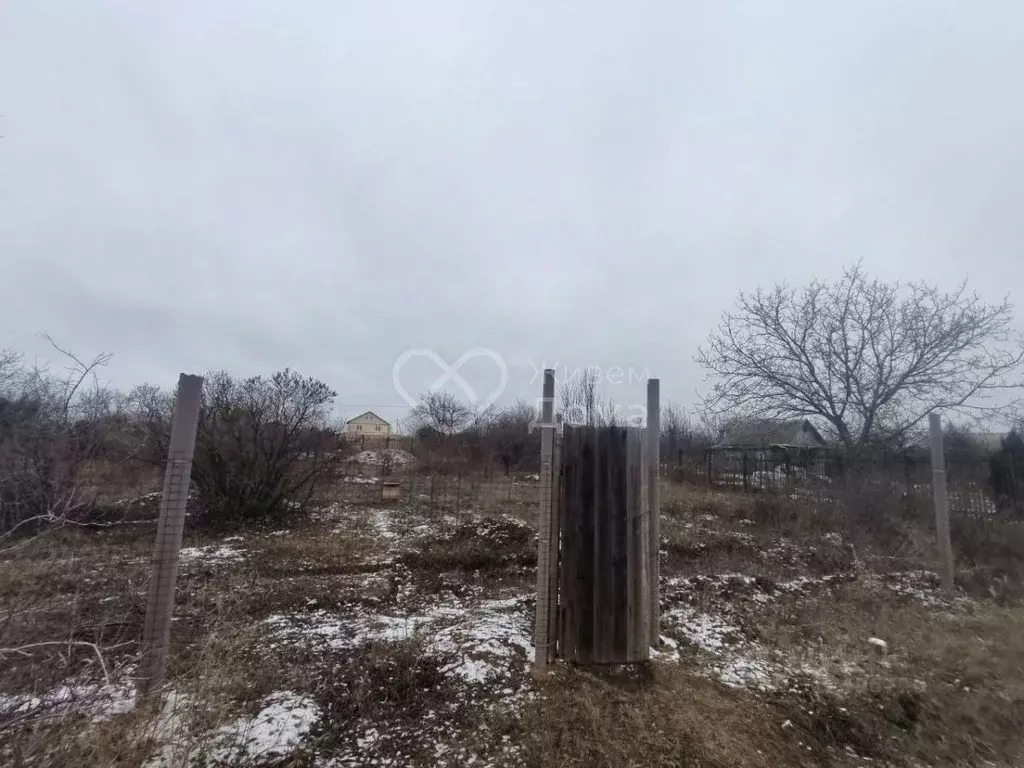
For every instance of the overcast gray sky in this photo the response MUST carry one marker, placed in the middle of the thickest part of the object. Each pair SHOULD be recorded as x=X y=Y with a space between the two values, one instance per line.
x=326 y=185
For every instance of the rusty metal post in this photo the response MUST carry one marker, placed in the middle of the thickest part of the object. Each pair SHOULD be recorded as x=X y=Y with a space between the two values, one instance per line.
x=156 y=633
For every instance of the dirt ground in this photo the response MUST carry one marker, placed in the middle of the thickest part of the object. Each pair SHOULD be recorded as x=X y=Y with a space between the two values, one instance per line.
x=370 y=635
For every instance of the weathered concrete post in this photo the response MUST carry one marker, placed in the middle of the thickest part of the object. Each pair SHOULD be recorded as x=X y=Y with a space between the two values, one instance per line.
x=544 y=632
x=941 y=501
x=156 y=633
x=653 y=459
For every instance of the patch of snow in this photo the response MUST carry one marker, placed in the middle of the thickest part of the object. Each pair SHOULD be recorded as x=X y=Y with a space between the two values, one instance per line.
x=99 y=702
x=736 y=662
x=273 y=733
x=212 y=553
x=924 y=586
x=486 y=639
x=382 y=522
x=170 y=733
x=743 y=672
x=379 y=458
x=707 y=632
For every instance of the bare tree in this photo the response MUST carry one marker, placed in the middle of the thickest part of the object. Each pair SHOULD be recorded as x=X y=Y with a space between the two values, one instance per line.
x=441 y=412
x=869 y=359
x=577 y=398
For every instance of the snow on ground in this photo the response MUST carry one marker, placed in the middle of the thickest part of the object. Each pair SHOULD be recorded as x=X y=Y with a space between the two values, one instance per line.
x=924 y=586
x=734 y=661
x=381 y=457
x=386 y=526
x=487 y=638
x=488 y=641
x=212 y=553
x=360 y=480
x=483 y=647
x=99 y=702
x=273 y=733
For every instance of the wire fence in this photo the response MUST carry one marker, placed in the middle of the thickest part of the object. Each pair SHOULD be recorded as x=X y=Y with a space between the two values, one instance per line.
x=977 y=487
x=425 y=491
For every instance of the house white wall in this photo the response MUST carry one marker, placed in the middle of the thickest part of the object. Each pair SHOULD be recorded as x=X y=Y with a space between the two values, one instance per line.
x=368 y=425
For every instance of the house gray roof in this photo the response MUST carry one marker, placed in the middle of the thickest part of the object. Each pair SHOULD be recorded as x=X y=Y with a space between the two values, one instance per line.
x=763 y=432
x=991 y=441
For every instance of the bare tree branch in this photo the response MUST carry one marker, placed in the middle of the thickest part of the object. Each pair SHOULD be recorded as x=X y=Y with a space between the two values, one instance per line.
x=867 y=358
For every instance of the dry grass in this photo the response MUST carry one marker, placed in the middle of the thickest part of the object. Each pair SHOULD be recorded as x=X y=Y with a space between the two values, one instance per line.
x=310 y=553
x=485 y=545
x=957 y=672
x=668 y=717
x=950 y=690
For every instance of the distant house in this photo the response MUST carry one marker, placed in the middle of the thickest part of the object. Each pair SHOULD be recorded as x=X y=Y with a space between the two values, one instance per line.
x=764 y=438
x=367 y=424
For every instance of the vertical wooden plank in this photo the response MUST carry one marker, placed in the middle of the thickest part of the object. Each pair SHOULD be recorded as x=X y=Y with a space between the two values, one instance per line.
x=653 y=460
x=632 y=554
x=602 y=566
x=638 y=629
x=554 y=556
x=640 y=565
x=567 y=566
x=619 y=511
x=585 y=553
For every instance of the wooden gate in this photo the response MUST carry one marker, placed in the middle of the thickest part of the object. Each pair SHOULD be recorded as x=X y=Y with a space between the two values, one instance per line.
x=604 y=601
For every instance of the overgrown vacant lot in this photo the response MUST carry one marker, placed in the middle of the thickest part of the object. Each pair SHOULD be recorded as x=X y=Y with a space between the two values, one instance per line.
x=371 y=635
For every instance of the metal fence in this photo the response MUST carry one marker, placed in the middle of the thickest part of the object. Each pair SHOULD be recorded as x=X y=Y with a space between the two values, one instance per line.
x=973 y=490
x=438 y=491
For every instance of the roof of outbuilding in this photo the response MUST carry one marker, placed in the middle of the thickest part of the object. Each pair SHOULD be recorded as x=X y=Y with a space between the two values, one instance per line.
x=759 y=432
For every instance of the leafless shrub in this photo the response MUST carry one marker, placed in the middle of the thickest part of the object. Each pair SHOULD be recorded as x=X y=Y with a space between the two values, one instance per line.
x=52 y=426
x=262 y=446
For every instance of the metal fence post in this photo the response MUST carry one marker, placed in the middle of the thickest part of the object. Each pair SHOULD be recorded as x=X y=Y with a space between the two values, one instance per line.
x=156 y=633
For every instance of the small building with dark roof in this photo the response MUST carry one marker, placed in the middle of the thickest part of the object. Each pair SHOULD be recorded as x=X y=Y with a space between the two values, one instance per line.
x=766 y=434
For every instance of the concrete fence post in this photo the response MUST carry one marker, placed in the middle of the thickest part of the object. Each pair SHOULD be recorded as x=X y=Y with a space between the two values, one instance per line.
x=156 y=632
x=941 y=502
x=544 y=632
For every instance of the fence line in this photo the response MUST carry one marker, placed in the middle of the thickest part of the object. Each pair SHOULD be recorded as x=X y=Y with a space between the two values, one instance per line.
x=825 y=475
